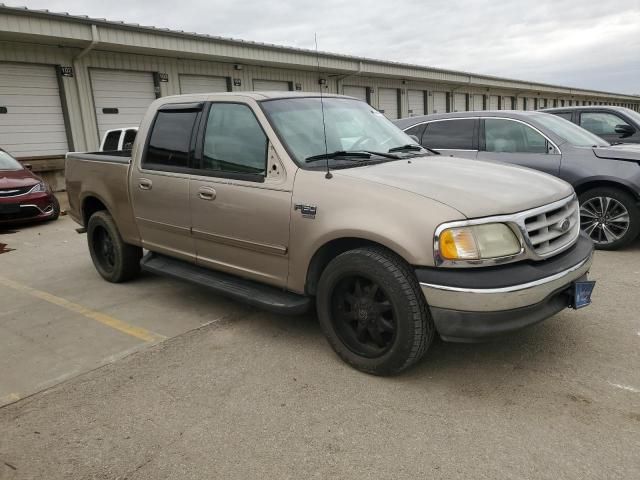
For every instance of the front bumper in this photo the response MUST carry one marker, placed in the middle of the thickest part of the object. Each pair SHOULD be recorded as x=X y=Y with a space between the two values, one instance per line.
x=479 y=303
x=26 y=208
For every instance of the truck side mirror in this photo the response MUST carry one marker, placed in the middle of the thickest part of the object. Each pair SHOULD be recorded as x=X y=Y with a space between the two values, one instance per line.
x=625 y=130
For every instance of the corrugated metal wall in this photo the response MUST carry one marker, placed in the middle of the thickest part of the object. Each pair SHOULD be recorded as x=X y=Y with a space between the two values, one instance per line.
x=78 y=99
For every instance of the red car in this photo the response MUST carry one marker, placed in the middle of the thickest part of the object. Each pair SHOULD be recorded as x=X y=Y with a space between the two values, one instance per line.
x=23 y=195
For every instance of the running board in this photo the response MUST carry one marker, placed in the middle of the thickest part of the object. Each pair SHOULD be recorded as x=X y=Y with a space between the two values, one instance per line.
x=247 y=291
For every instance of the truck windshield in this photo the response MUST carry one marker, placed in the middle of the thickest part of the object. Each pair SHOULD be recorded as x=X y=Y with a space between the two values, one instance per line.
x=575 y=135
x=7 y=162
x=351 y=125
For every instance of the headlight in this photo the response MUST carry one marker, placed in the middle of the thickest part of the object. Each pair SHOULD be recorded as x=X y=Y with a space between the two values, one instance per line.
x=476 y=242
x=39 y=187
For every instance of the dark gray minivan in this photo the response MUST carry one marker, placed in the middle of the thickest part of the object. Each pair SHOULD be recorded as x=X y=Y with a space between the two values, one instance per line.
x=605 y=177
x=614 y=124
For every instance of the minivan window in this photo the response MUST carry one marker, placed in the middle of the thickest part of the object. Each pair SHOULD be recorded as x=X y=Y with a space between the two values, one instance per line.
x=569 y=132
x=234 y=142
x=565 y=115
x=170 y=139
x=601 y=123
x=7 y=162
x=513 y=137
x=450 y=134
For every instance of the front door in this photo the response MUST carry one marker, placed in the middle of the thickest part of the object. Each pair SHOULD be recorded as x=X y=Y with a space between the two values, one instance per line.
x=240 y=213
x=512 y=141
x=160 y=185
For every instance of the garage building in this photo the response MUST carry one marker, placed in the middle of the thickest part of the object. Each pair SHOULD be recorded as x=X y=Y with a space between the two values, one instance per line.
x=65 y=80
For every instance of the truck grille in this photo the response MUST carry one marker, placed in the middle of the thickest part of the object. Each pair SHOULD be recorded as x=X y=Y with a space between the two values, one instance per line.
x=554 y=229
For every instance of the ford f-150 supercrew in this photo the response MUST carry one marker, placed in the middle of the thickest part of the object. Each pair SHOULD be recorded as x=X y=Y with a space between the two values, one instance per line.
x=284 y=200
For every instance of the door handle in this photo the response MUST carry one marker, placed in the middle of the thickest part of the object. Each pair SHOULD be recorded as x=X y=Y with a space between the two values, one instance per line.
x=145 y=184
x=207 y=193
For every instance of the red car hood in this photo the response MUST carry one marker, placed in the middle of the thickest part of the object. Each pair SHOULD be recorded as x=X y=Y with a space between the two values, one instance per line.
x=17 y=178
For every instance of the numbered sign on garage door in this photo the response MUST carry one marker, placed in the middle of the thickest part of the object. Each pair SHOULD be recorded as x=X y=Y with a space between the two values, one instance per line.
x=202 y=84
x=415 y=100
x=353 y=91
x=388 y=102
x=271 y=85
x=121 y=98
x=459 y=102
x=439 y=102
x=31 y=119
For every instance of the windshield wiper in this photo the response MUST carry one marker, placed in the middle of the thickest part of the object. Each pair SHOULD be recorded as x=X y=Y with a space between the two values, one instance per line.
x=338 y=154
x=412 y=147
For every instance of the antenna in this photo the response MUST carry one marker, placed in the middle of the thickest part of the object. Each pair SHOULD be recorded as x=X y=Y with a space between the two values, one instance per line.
x=324 y=125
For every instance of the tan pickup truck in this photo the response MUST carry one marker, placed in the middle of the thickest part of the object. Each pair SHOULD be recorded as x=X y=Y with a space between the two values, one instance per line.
x=283 y=200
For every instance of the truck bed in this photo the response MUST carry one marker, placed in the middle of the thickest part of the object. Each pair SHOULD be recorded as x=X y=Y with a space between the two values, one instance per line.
x=95 y=178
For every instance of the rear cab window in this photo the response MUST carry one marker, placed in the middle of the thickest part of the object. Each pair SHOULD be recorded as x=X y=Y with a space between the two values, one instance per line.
x=111 y=141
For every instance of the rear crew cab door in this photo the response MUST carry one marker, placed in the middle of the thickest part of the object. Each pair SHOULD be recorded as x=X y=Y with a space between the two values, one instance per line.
x=513 y=141
x=240 y=195
x=159 y=185
x=457 y=137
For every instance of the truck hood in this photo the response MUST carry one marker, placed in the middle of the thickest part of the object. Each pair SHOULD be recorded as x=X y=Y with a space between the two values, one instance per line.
x=628 y=152
x=475 y=188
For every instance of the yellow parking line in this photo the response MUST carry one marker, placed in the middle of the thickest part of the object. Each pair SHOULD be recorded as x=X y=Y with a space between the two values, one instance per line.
x=114 y=323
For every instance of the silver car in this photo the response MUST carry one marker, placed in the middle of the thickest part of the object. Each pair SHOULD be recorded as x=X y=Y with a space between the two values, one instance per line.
x=605 y=177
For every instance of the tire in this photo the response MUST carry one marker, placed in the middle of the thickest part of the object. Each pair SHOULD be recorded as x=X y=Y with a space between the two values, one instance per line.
x=608 y=234
x=356 y=317
x=56 y=210
x=115 y=260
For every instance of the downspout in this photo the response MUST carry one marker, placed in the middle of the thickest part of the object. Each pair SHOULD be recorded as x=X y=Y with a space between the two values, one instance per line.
x=340 y=78
x=76 y=67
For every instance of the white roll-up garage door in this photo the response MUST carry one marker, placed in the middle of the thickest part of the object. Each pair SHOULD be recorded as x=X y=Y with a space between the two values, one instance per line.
x=121 y=97
x=415 y=100
x=439 y=102
x=31 y=118
x=459 y=102
x=271 y=86
x=202 y=84
x=357 y=92
x=530 y=103
x=506 y=103
x=493 y=102
x=520 y=103
x=388 y=102
x=477 y=102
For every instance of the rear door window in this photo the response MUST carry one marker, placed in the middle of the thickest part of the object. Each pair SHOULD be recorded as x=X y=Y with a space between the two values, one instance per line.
x=565 y=115
x=450 y=135
x=170 y=140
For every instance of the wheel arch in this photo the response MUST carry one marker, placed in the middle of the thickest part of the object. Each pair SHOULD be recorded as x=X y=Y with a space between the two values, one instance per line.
x=599 y=182
x=91 y=203
x=329 y=250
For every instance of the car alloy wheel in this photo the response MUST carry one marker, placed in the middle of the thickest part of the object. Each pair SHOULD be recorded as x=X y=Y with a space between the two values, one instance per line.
x=604 y=219
x=363 y=317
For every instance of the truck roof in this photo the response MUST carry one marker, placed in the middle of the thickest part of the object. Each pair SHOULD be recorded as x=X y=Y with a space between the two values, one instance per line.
x=255 y=95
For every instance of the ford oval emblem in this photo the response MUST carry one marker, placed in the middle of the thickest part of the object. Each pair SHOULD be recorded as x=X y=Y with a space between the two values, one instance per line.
x=564 y=226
